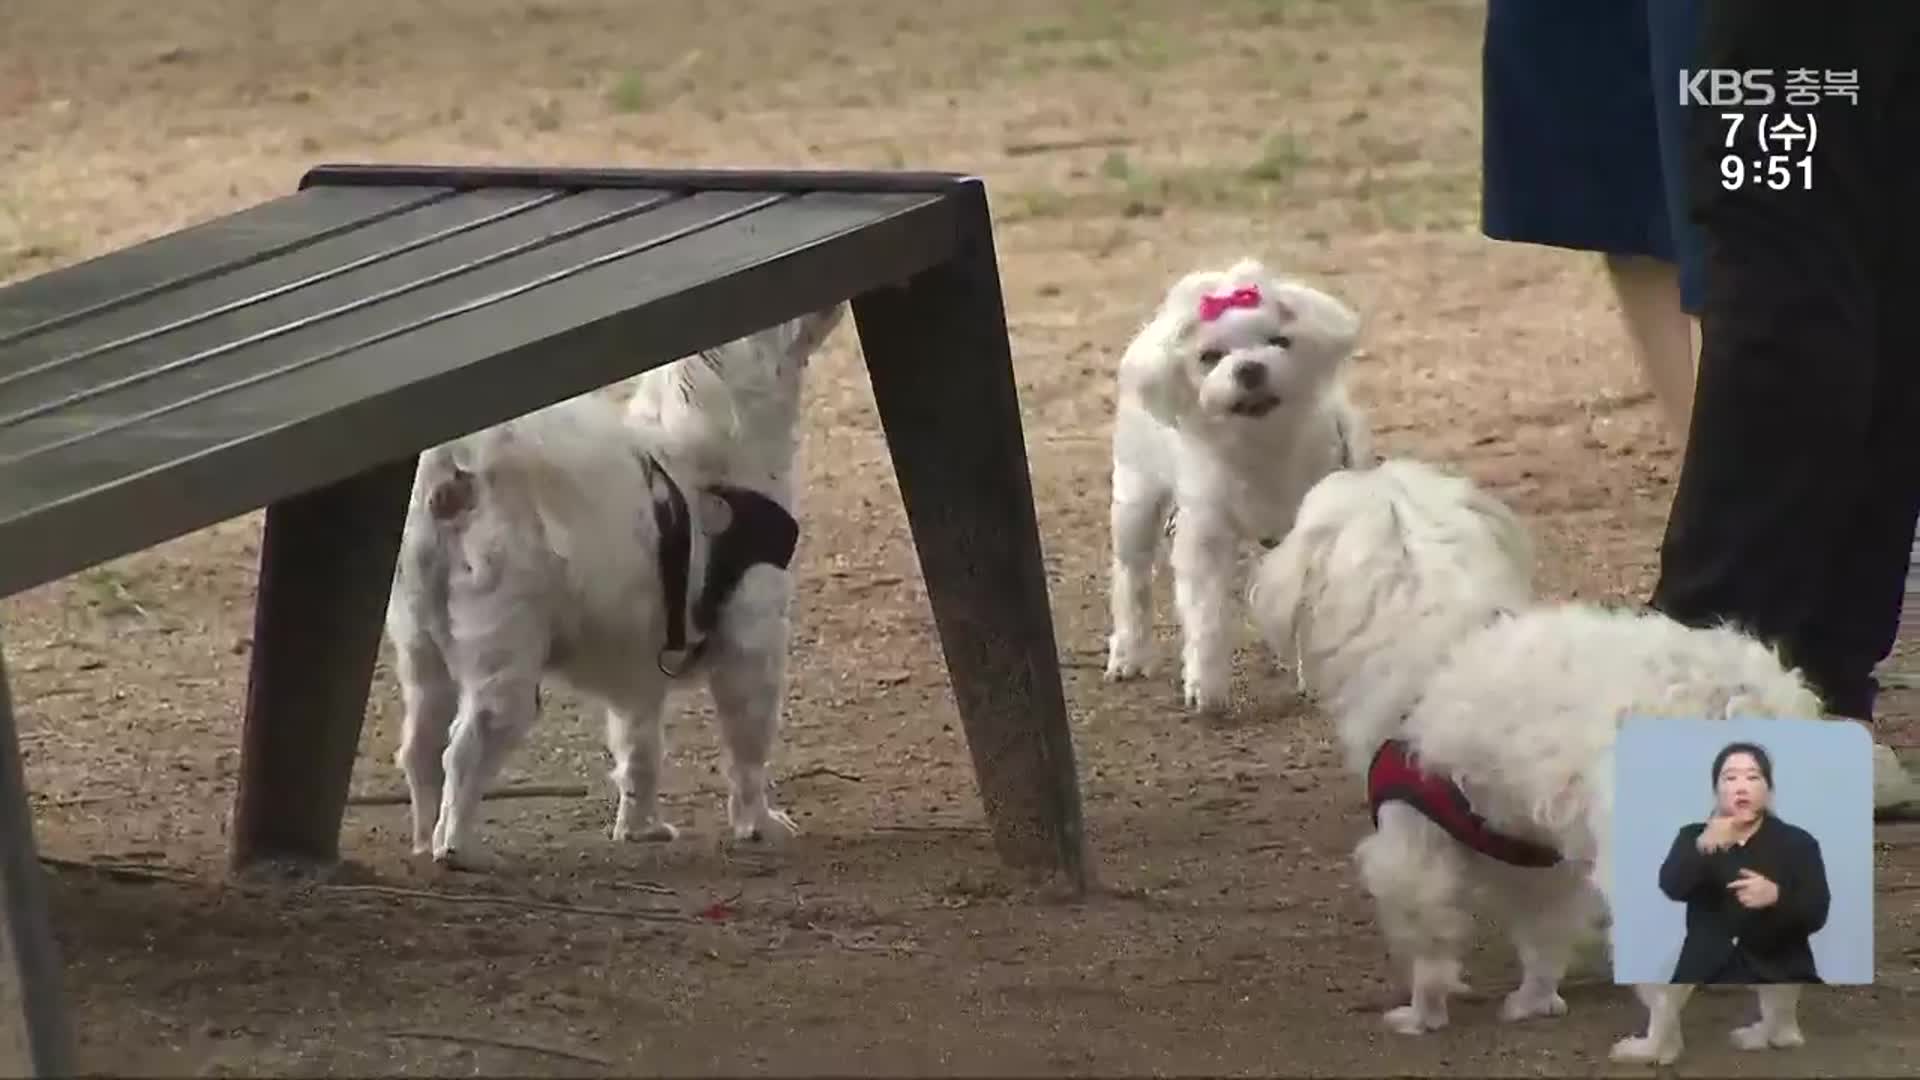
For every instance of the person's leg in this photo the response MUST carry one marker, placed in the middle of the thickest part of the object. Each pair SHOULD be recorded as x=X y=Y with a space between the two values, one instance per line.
x=1572 y=157
x=1855 y=624
x=1854 y=627
x=1764 y=526
x=1662 y=307
x=1648 y=291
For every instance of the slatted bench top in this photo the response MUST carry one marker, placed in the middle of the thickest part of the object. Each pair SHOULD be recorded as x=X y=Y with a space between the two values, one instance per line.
x=297 y=356
x=381 y=310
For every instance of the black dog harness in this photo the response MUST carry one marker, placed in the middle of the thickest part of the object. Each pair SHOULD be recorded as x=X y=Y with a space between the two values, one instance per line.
x=757 y=530
x=1396 y=775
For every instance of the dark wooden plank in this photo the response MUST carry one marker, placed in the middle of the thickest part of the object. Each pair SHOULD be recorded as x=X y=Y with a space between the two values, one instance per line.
x=326 y=569
x=35 y=1020
x=269 y=277
x=47 y=393
x=86 y=288
x=942 y=372
x=131 y=487
x=792 y=181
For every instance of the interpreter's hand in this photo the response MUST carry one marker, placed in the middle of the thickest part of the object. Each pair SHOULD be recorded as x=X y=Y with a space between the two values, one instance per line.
x=1716 y=836
x=1754 y=891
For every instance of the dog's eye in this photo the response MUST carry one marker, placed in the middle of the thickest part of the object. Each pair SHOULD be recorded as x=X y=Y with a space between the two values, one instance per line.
x=1210 y=357
x=1280 y=341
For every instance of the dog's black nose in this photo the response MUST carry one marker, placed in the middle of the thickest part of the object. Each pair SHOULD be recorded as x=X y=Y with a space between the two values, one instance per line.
x=1250 y=376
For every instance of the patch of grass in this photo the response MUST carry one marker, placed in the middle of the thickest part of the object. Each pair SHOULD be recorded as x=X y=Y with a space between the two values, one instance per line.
x=545 y=115
x=1421 y=201
x=110 y=593
x=1379 y=151
x=1106 y=19
x=1280 y=160
x=1100 y=36
x=1271 y=12
x=1413 y=199
x=1036 y=204
x=1150 y=53
x=629 y=93
x=24 y=242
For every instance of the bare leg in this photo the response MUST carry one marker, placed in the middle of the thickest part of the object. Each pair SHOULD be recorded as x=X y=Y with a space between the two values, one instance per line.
x=1663 y=334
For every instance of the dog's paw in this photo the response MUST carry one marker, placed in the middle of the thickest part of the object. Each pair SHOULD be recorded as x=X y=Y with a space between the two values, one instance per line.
x=650 y=832
x=1409 y=1020
x=1758 y=1037
x=768 y=825
x=1125 y=660
x=472 y=860
x=1206 y=695
x=1640 y=1050
x=1528 y=1004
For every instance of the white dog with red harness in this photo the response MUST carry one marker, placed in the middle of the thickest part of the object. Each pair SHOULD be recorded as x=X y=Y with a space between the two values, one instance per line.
x=1484 y=724
x=625 y=553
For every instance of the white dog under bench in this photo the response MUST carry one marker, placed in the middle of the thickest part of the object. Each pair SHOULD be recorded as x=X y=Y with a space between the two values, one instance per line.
x=298 y=355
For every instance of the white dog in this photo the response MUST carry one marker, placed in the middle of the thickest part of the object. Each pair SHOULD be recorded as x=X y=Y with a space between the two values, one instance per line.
x=1231 y=405
x=624 y=554
x=1406 y=594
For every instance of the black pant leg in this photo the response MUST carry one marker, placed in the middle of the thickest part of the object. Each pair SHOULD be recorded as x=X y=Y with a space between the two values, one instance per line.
x=1858 y=615
x=1783 y=409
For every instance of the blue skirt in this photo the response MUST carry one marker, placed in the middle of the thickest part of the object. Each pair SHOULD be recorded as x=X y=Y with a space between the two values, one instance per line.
x=1583 y=133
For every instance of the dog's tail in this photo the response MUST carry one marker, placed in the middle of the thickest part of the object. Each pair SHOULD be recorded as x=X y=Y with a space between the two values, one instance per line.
x=444 y=492
x=450 y=481
x=445 y=487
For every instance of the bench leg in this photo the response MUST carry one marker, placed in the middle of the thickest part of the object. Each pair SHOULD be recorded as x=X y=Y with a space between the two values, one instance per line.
x=326 y=570
x=942 y=372
x=32 y=1008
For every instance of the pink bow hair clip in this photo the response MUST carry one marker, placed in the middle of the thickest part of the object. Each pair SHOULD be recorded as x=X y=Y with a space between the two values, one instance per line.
x=1213 y=305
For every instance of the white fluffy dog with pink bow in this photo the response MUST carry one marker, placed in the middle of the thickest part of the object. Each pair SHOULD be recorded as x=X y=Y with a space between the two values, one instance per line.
x=1231 y=406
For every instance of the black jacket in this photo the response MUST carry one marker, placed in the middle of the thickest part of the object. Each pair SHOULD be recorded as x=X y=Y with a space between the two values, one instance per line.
x=1727 y=943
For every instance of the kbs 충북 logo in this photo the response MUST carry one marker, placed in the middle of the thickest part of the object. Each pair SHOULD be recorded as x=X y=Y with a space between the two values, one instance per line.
x=1761 y=87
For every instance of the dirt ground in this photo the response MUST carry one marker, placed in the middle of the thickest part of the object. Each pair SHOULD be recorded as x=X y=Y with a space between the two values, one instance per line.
x=1123 y=143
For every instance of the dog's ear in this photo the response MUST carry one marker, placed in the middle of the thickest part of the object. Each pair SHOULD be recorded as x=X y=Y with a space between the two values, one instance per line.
x=1155 y=366
x=1318 y=316
x=808 y=332
x=1154 y=371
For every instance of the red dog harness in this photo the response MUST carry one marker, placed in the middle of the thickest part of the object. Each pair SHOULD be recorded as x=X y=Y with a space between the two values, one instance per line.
x=1394 y=775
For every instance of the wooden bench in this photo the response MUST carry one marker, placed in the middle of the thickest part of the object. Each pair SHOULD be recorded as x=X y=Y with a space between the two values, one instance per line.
x=298 y=355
